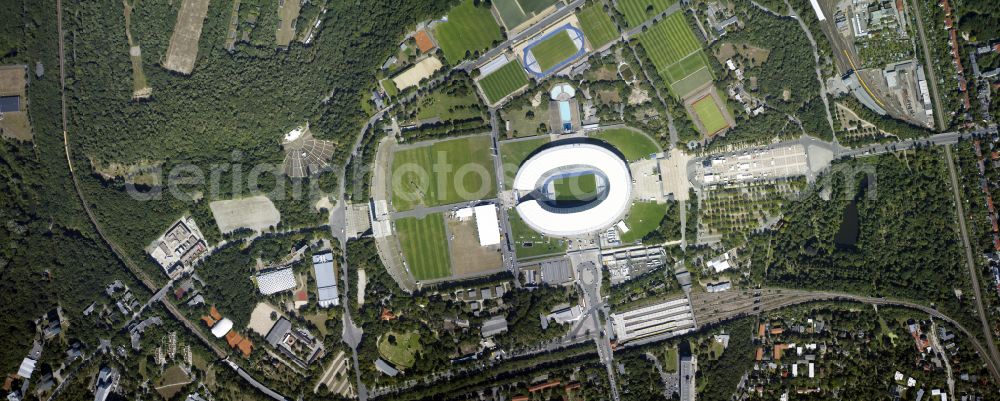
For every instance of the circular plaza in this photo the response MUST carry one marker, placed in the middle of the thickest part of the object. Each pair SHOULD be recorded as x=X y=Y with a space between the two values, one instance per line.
x=573 y=189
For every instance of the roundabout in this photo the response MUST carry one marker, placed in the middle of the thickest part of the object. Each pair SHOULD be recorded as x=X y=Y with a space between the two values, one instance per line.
x=573 y=189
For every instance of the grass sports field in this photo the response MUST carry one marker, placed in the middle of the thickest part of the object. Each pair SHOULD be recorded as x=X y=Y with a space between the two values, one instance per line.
x=633 y=144
x=425 y=246
x=400 y=348
x=597 y=25
x=415 y=182
x=577 y=188
x=642 y=219
x=528 y=243
x=515 y=12
x=469 y=29
x=504 y=81
x=552 y=51
x=638 y=11
x=709 y=114
x=676 y=54
x=513 y=153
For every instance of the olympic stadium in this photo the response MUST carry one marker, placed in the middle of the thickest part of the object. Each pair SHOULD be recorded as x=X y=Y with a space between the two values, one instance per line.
x=572 y=189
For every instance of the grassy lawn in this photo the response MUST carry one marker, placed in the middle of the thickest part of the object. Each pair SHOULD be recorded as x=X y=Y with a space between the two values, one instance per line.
x=504 y=81
x=513 y=153
x=526 y=120
x=528 y=243
x=670 y=360
x=638 y=11
x=642 y=219
x=709 y=115
x=633 y=144
x=469 y=29
x=597 y=25
x=449 y=107
x=287 y=13
x=470 y=174
x=171 y=381
x=554 y=50
x=515 y=12
x=425 y=246
x=581 y=187
x=402 y=350
x=390 y=87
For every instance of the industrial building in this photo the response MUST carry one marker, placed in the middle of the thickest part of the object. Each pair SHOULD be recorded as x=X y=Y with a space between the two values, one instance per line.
x=326 y=280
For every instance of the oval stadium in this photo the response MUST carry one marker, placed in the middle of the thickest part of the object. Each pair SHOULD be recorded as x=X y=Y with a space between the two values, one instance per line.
x=573 y=189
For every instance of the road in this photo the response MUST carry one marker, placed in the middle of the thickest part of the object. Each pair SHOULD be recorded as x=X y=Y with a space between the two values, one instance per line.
x=970 y=259
x=929 y=66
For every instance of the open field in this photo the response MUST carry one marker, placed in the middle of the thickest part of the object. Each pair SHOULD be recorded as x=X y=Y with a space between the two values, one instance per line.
x=400 y=348
x=172 y=381
x=685 y=86
x=256 y=213
x=709 y=114
x=140 y=87
x=260 y=318
x=676 y=53
x=579 y=188
x=425 y=246
x=467 y=257
x=448 y=106
x=633 y=144
x=597 y=25
x=12 y=83
x=643 y=218
x=638 y=11
x=513 y=153
x=469 y=29
x=503 y=81
x=526 y=120
x=528 y=243
x=552 y=51
x=287 y=14
x=415 y=182
x=413 y=75
x=183 y=49
x=516 y=12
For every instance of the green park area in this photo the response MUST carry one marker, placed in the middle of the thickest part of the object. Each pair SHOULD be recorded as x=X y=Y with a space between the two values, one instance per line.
x=503 y=81
x=400 y=349
x=633 y=144
x=642 y=219
x=553 y=50
x=709 y=114
x=468 y=173
x=449 y=106
x=638 y=11
x=575 y=188
x=425 y=246
x=676 y=53
x=597 y=25
x=470 y=28
x=529 y=243
x=513 y=153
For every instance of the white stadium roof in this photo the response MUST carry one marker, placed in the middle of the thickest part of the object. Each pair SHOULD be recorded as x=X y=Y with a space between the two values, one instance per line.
x=276 y=281
x=550 y=220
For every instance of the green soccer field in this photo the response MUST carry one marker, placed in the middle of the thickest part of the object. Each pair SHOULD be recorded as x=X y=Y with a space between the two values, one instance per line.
x=513 y=153
x=503 y=81
x=577 y=188
x=642 y=219
x=403 y=353
x=469 y=29
x=530 y=244
x=554 y=50
x=425 y=246
x=515 y=12
x=709 y=115
x=469 y=174
x=633 y=144
x=638 y=11
x=676 y=52
x=597 y=25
